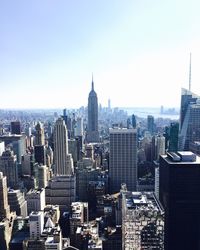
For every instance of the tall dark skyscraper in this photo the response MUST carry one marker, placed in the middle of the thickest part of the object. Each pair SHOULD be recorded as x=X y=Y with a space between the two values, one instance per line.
x=179 y=193
x=92 y=127
x=15 y=128
x=173 y=136
x=150 y=123
x=40 y=154
x=133 y=121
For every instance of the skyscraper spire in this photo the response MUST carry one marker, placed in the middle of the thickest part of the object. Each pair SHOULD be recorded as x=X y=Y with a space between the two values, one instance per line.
x=92 y=82
x=190 y=72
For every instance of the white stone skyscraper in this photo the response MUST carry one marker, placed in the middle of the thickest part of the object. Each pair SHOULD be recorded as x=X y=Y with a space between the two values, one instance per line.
x=63 y=160
x=123 y=159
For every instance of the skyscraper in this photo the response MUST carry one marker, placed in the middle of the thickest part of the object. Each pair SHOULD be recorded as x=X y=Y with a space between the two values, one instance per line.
x=68 y=122
x=160 y=146
x=8 y=165
x=4 y=207
x=133 y=121
x=123 y=159
x=92 y=127
x=79 y=127
x=6 y=217
x=39 y=136
x=173 y=136
x=189 y=130
x=63 y=160
x=40 y=154
x=179 y=193
x=15 y=127
x=150 y=123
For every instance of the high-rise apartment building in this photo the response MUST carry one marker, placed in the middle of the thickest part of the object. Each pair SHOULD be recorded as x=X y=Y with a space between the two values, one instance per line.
x=189 y=130
x=179 y=193
x=92 y=126
x=123 y=159
x=63 y=160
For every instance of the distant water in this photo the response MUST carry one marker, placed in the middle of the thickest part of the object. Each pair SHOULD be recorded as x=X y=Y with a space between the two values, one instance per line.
x=144 y=112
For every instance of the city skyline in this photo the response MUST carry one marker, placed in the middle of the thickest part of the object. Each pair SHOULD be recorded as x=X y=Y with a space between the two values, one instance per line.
x=137 y=51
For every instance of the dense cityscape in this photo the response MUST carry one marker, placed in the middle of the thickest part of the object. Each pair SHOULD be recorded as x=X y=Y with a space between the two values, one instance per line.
x=99 y=178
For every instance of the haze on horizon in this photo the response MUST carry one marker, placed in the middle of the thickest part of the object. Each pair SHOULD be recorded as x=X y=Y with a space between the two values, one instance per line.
x=137 y=50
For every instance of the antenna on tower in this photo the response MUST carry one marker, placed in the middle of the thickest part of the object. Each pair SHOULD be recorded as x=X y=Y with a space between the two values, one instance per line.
x=92 y=82
x=190 y=72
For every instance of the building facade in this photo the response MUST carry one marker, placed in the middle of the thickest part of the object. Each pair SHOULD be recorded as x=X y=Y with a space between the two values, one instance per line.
x=123 y=159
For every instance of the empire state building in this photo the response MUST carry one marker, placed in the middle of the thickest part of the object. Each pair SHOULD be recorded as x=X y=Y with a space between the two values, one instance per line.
x=92 y=127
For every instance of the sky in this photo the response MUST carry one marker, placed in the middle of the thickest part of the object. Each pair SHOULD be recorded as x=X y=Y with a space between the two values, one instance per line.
x=137 y=50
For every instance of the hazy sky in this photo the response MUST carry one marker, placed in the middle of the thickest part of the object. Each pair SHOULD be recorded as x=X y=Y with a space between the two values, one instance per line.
x=138 y=51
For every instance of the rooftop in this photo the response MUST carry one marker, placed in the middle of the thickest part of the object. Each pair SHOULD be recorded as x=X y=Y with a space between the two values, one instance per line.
x=35 y=191
x=146 y=200
x=181 y=157
x=122 y=130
